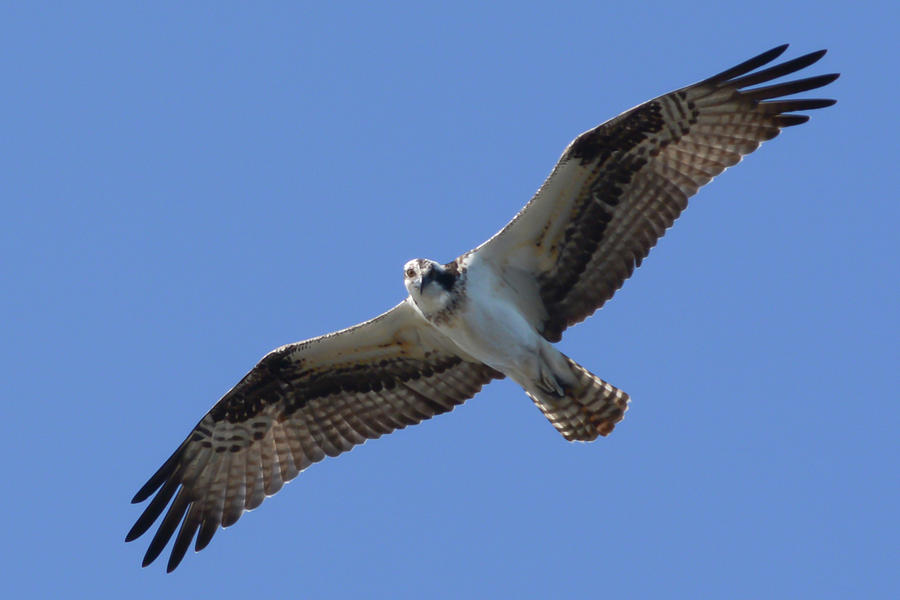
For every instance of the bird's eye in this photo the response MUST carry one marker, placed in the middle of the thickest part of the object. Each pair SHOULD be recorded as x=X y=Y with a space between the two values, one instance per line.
x=410 y=273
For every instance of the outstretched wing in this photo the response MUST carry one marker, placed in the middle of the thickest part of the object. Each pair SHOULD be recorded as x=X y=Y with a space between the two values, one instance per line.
x=301 y=403
x=619 y=186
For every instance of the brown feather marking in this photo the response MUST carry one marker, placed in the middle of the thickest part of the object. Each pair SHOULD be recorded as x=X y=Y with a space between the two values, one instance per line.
x=641 y=167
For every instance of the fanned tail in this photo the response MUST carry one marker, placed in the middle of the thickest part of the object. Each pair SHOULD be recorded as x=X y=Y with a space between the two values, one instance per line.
x=590 y=408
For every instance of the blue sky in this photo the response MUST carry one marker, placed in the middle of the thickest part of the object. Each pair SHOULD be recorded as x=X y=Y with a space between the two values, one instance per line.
x=186 y=187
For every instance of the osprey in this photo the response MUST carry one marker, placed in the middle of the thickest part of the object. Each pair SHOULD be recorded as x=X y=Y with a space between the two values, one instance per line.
x=493 y=312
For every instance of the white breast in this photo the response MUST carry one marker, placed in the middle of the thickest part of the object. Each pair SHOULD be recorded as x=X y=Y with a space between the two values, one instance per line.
x=489 y=325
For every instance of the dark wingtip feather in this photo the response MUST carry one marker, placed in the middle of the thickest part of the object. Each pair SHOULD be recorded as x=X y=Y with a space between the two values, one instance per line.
x=790 y=87
x=786 y=106
x=159 y=478
x=207 y=530
x=133 y=534
x=748 y=65
x=166 y=528
x=183 y=540
x=791 y=120
x=153 y=510
x=154 y=549
x=816 y=55
x=780 y=70
x=147 y=489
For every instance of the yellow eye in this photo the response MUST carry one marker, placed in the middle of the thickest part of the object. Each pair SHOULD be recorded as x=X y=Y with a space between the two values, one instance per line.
x=410 y=272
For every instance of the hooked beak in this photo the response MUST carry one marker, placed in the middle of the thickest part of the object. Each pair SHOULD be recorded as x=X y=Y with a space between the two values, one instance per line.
x=427 y=278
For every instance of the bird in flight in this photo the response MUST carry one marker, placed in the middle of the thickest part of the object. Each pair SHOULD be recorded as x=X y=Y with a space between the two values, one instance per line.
x=493 y=312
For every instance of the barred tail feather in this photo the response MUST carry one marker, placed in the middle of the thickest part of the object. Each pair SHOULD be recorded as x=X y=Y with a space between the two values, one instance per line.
x=591 y=407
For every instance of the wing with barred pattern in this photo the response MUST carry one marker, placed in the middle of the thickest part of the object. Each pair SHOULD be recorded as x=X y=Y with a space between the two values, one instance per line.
x=619 y=186
x=301 y=403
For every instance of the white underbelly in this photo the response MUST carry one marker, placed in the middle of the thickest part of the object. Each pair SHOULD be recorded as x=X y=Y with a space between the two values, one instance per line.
x=491 y=328
x=497 y=337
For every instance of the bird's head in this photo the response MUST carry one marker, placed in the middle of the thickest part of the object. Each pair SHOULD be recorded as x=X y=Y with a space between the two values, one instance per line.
x=428 y=282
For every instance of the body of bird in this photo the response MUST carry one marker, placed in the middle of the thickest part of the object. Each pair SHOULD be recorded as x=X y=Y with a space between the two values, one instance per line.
x=493 y=312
